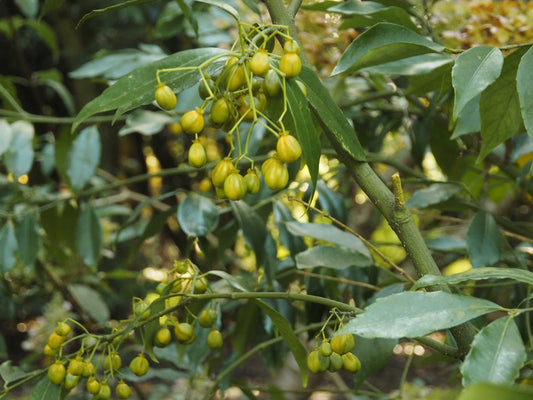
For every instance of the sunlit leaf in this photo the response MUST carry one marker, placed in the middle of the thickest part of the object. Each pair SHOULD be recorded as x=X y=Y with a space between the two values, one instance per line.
x=19 y=157
x=145 y=122
x=197 y=215
x=383 y=43
x=412 y=314
x=90 y=301
x=434 y=194
x=483 y=240
x=501 y=123
x=524 y=85
x=83 y=157
x=331 y=257
x=497 y=354
x=417 y=65
x=474 y=70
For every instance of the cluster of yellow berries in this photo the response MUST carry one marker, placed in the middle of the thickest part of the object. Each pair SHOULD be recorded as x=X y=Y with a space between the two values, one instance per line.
x=334 y=354
x=236 y=93
x=68 y=371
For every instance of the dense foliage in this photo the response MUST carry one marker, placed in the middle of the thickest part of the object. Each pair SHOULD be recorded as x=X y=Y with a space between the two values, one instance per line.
x=203 y=197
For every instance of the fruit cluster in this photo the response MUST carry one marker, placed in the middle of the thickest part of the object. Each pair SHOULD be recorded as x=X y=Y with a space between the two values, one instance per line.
x=69 y=370
x=236 y=93
x=334 y=354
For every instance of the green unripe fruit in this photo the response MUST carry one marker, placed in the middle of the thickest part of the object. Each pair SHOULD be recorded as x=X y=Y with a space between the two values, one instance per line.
x=192 y=121
x=48 y=351
x=221 y=172
x=316 y=362
x=252 y=181
x=197 y=154
x=201 y=284
x=271 y=83
x=92 y=385
x=325 y=349
x=276 y=175
x=76 y=366
x=184 y=333
x=105 y=392
x=220 y=111
x=288 y=147
x=62 y=329
x=139 y=365
x=233 y=75
x=162 y=337
x=123 y=391
x=57 y=372
x=235 y=186
x=291 y=46
x=88 y=369
x=141 y=309
x=165 y=97
x=351 y=362
x=203 y=90
x=290 y=64
x=207 y=317
x=112 y=362
x=335 y=362
x=71 y=381
x=214 y=339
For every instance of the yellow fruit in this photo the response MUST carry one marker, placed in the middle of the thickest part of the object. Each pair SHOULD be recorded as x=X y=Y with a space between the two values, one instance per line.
x=233 y=75
x=192 y=121
x=207 y=317
x=220 y=111
x=221 y=171
x=105 y=392
x=260 y=63
x=88 y=369
x=76 y=366
x=112 y=361
x=162 y=337
x=245 y=107
x=165 y=97
x=57 y=372
x=139 y=365
x=288 y=147
x=55 y=341
x=123 y=391
x=205 y=185
x=201 y=284
x=335 y=362
x=48 y=351
x=276 y=175
x=343 y=343
x=184 y=333
x=290 y=64
x=62 y=329
x=316 y=362
x=252 y=181
x=351 y=362
x=175 y=128
x=235 y=186
x=92 y=385
x=197 y=154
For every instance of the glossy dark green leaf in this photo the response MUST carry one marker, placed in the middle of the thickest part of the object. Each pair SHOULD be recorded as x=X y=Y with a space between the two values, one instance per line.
x=19 y=157
x=413 y=314
x=330 y=115
x=488 y=391
x=197 y=215
x=28 y=239
x=89 y=236
x=483 y=240
x=368 y=13
x=518 y=275
x=501 y=123
x=90 y=301
x=474 y=70
x=285 y=329
x=8 y=247
x=382 y=43
x=524 y=85
x=469 y=119
x=223 y=6
x=138 y=87
x=46 y=390
x=305 y=129
x=114 y=7
x=329 y=233
x=84 y=157
x=253 y=228
x=331 y=257
x=417 y=65
x=433 y=194
x=497 y=354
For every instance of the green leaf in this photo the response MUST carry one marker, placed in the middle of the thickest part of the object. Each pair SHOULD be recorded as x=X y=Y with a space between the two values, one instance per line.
x=29 y=8
x=101 y=11
x=28 y=239
x=331 y=257
x=483 y=240
x=305 y=129
x=83 y=158
x=19 y=157
x=412 y=314
x=330 y=115
x=519 y=275
x=433 y=194
x=11 y=373
x=238 y=282
x=253 y=228
x=90 y=301
x=285 y=329
x=89 y=236
x=6 y=134
x=374 y=354
x=282 y=216
x=382 y=43
x=197 y=215
x=8 y=247
x=417 y=65
x=223 y=6
x=469 y=119
x=474 y=70
x=329 y=233
x=46 y=390
x=525 y=90
x=186 y=9
x=497 y=354
x=145 y=122
x=369 y=13
x=501 y=123
x=138 y=87
x=50 y=5
x=487 y=391
x=251 y=4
